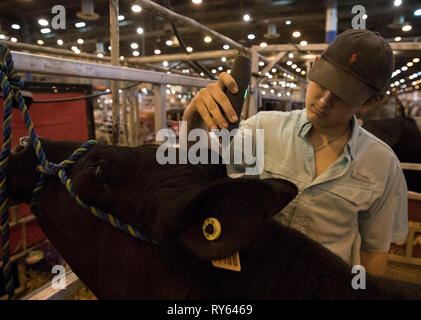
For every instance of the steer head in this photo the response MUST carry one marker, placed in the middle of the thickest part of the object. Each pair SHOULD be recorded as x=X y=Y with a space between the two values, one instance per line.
x=169 y=203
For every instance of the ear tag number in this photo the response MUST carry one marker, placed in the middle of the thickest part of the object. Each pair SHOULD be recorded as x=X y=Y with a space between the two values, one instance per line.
x=230 y=263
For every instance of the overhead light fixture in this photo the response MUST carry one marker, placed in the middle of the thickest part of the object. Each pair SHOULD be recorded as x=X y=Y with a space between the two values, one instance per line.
x=417 y=12
x=303 y=72
x=263 y=44
x=80 y=24
x=100 y=55
x=45 y=30
x=223 y=59
x=207 y=39
x=397 y=3
x=246 y=17
x=294 y=66
x=225 y=47
x=410 y=64
x=298 y=69
x=220 y=68
x=261 y=63
x=404 y=68
x=189 y=49
x=60 y=42
x=296 y=34
x=169 y=43
x=165 y=63
x=40 y=42
x=290 y=55
x=134 y=45
x=157 y=51
x=288 y=22
x=121 y=18
x=416 y=60
x=139 y=30
x=251 y=36
x=196 y=1
x=87 y=11
x=80 y=41
x=274 y=70
x=407 y=28
x=136 y=8
x=303 y=43
x=121 y=58
x=398 y=39
x=289 y=62
x=43 y=22
x=365 y=17
x=109 y=48
x=136 y=53
x=15 y=26
x=2 y=36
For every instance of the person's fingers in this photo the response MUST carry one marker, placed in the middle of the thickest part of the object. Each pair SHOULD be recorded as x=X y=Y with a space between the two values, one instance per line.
x=220 y=97
x=213 y=108
x=203 y=112
x=226 y=81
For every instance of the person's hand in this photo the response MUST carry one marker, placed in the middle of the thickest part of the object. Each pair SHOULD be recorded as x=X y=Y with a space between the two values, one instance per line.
x=206 y=103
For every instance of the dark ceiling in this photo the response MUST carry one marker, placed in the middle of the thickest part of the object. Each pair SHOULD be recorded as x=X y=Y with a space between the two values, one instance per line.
x=223 y=16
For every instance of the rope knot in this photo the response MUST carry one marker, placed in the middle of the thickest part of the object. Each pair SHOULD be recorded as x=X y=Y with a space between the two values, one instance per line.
x=7 y=68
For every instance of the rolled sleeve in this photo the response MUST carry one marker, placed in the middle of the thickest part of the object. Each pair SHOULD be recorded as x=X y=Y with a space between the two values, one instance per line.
x=387 y=219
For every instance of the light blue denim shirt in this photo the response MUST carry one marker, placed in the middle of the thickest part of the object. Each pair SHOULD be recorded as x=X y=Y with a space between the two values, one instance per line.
x=359 y=202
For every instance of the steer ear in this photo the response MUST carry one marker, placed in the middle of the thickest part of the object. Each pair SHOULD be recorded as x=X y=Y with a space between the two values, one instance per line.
x=241 y=206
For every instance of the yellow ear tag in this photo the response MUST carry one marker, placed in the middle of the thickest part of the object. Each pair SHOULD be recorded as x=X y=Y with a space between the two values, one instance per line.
x=230 y=263
x=211 y=229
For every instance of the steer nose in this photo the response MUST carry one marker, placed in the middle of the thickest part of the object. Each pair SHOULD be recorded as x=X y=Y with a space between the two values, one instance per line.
x=22 y=144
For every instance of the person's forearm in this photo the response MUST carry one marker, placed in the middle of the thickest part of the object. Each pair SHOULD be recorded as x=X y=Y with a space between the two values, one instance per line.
x=374 y=263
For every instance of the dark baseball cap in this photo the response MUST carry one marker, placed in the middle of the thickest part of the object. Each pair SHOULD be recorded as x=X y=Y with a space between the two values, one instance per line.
x=355 y=66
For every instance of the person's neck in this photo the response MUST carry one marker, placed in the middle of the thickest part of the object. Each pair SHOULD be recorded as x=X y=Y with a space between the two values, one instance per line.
x=327 y=133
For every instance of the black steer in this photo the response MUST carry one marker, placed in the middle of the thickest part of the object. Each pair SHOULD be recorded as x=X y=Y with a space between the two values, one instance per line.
x=169 y=203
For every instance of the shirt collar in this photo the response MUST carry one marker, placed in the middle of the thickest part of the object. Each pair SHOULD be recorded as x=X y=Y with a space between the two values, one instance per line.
x=305 y=125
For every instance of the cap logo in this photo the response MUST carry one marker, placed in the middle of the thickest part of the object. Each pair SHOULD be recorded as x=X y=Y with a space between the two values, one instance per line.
x=353 y=58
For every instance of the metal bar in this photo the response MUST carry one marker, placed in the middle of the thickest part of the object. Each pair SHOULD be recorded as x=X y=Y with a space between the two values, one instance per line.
x=175 y=17
x=271 y=64
x=47 y=292
x=411 y=166
x=114 y=40
x=32 y=63
x=160 y=107
x=254 y=99
x=186 y=57
x=55 y=51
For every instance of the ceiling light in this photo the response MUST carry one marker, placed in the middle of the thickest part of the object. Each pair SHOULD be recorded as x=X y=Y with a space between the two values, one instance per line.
x=134 y=45
x=169 y=43
x=100 y=55
x=80 y=41
x=136 y=53
x=365 y=17
x=263 y=45
x=296 y=34
x=246 y=17
x=121 y=57
x=60 y=42
x=397 y=3
x=157 y=51
x=74 y=48
x=43 y=22
x=274 y=70
x=165 y=63
x=298 y=69
x=229 y=71
x=398 y=38
x=290 y=55
x=303 y=43
x=416 y=60
x=220 y=68
x=404 y=68
x=40 y=42
x=136 y=8
x=289 y=62
x=251 y=36
x=261 y=63
x=45 y=30
x=226 y=47
x=288 y=22
x=189 y=49
x=196 y=1
x=214 y=71
x=303 y=72
x=139 y=30
x=2 y=36
x=109 y=48
x=294 y=66
x=80 y=24
x=417 y=12
x=15 y=26
x=13 y=39
x=120 y=18
x=223 y=59
x=410 y=64
x=407 y=28
x=207 y=39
